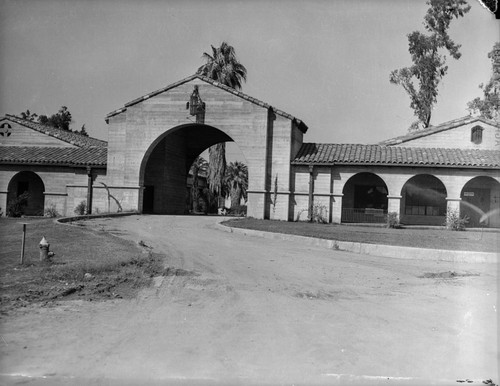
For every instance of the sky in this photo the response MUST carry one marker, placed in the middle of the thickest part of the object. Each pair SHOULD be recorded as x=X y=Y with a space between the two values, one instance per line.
x=325 y=62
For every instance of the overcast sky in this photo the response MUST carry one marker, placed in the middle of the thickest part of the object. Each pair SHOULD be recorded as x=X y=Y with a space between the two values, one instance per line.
x=325 y=62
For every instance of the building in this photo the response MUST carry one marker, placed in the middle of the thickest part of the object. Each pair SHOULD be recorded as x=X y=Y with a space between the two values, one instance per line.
x=419 y=176
x=153 y=140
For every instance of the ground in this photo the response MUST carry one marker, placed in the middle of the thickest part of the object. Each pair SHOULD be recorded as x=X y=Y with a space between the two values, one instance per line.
x=245 y=310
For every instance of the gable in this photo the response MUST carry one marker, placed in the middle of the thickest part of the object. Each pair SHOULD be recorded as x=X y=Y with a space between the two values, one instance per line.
x=200 y=79
x=454 y=134
x=63 y=137
x=14 y=134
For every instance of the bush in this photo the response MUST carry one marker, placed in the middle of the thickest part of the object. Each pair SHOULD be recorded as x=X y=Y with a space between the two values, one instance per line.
x=51 y=211
x=392 y=220
x=454 y=222
x=81 y=208
x=16 y=206
x=238 y=210
x=319 y=214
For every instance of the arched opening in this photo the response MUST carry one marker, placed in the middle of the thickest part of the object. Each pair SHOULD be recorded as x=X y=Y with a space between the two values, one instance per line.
x=165 y=175
x=423 y=201
x=481 y=202
x=27 y=185
x=365 y=199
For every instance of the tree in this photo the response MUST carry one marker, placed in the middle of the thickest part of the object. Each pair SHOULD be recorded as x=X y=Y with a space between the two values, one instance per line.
x=421 y=80
x=29 y=116
x=237 y=182
x=223 y=67
x=489 y=106
x=62 y=119
x=199 y=165
x=83 y=131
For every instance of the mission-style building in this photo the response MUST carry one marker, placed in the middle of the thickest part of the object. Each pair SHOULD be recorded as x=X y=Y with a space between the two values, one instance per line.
x=153 y=140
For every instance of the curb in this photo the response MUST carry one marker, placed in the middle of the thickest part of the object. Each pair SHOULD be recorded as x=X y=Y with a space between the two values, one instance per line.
x=396 y=252
x=92 y=216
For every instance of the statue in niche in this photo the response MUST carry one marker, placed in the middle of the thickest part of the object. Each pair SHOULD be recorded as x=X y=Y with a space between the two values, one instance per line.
x=196 y=106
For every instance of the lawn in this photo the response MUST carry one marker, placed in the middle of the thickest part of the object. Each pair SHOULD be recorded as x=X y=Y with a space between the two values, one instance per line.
x=87 y=264
x=487 y=241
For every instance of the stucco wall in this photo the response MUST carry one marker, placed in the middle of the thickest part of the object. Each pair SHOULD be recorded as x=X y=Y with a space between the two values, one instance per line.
x=65 y=187
x=23 y=136
x=132 y=135
x=329 y=184
x=459 y=137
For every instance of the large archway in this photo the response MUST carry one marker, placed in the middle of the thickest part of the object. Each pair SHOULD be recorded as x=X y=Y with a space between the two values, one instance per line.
x=165 y=167
x=30 y=183
x=365 y=199
x=423 y=201
x=481 y=202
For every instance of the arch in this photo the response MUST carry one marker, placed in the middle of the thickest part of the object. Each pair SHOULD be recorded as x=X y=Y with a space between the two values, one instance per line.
x=165 y=166
x=481 y=202
x=423 y=201
x=31 y=183
x=364 y=199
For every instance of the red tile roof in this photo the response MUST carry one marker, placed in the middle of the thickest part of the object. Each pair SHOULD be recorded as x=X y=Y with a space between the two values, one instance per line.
x=345 y=154
x=436 y=129
x=76 y=139
x=61 y=156
x=301 y=125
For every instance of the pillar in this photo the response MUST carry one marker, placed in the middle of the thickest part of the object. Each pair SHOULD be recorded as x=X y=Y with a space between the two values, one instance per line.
x=453 y=204
x=337 y=208
x=89 y=190
x=394 y=204
x=310 y=206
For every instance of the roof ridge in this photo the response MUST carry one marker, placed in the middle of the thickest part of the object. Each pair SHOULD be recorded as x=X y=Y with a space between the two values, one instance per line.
x=79 y=140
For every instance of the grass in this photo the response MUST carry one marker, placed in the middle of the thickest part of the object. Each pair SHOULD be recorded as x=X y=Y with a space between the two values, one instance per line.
x=87 y=264
x=409 y=237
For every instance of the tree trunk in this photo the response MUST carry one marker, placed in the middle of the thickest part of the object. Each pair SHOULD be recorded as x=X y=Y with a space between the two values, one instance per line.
x=217 y=169
x=235 y=196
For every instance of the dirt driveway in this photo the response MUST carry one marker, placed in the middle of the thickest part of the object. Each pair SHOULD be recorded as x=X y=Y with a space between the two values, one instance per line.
x=247 y=310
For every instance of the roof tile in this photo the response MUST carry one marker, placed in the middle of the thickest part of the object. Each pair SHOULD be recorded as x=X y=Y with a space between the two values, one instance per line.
x=355 y=154
x=64 y=156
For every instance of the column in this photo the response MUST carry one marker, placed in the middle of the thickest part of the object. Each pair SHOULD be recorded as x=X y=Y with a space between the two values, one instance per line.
x=394 y=204
x=337 y=208
x=453 y=204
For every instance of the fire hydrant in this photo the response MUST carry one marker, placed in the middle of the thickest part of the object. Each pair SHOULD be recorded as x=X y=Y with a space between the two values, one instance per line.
x=44 y=249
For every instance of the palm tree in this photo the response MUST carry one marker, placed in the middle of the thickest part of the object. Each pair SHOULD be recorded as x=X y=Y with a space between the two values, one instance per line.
x=223 y=67
x=199 y=165
x=237 y=182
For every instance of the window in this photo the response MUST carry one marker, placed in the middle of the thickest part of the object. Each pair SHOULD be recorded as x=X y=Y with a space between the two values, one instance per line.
x=476 y=135
x=426 y=202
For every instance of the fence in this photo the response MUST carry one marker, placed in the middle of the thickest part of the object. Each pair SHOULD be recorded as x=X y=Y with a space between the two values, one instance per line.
x=364 y=215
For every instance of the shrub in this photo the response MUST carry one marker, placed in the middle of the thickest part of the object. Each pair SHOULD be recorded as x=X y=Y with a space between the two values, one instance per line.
x=392 y=220
x=319 y=214
x=238 y=210
x=454 y=222
x=16 y=206
x=51 y=211
x=81 y=208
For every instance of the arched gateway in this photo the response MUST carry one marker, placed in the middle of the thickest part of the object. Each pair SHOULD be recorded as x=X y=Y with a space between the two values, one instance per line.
x=154 y=139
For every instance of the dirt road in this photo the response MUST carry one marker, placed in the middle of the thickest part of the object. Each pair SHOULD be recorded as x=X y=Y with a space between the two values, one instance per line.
x=257 y=311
